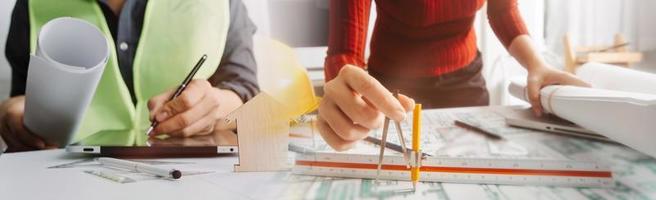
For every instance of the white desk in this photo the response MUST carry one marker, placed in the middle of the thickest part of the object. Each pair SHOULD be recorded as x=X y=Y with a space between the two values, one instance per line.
x=24 y=176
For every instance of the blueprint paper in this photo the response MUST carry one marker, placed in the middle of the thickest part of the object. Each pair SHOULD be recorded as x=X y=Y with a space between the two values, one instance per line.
x=619 y=78
x=626 y=117
x=70 y=57
x=633 y=172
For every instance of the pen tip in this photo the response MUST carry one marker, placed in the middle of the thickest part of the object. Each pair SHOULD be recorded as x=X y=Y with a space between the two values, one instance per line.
x=149 y=131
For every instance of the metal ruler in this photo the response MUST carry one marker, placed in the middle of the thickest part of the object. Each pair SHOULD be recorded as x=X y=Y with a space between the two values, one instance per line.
x=459 y=170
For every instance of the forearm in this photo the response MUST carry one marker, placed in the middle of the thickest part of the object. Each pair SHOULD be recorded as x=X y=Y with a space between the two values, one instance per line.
x=347 y=34
x=238 y=70
x=523 y=50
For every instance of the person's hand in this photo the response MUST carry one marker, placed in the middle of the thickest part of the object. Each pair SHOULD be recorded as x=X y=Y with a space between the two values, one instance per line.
x=354 y=103
x=14 y=133
x=195 y=112
x=539 y=77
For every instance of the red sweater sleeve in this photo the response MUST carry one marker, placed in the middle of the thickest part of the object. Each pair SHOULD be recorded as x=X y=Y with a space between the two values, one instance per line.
x=348 y=34
x=505 y=20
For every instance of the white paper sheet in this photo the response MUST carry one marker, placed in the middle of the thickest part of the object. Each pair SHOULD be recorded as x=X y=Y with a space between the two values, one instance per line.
x=626 y=117
x=619 y=78
x=70 y=57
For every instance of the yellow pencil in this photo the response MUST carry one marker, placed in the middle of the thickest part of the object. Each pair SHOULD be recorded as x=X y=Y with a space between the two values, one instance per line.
x=416 y=135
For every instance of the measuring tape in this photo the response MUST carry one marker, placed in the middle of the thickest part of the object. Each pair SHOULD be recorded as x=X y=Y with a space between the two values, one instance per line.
x=459 y=170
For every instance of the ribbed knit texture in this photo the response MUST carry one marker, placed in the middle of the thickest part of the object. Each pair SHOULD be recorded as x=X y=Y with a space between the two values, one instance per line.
x=414 y=38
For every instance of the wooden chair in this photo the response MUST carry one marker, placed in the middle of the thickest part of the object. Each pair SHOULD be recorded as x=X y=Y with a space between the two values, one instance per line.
x=617 y=54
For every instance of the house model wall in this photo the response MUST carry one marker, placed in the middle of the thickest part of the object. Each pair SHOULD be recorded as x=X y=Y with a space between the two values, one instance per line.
x=263 y=134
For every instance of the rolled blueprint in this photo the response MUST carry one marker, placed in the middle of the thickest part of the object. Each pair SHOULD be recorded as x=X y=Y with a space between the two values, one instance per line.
x=626 y=117
x=611 y=77
x=62 y=77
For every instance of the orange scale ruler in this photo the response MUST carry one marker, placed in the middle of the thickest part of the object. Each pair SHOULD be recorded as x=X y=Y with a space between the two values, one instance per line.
x=459 y=170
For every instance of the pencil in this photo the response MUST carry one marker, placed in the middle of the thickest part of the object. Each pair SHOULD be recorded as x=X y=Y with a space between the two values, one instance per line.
x=416 y=140
x=182 y=87
x=477 y=129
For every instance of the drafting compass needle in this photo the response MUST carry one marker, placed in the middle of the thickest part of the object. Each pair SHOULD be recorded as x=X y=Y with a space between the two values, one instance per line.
x=383 y=142
x=399 y=131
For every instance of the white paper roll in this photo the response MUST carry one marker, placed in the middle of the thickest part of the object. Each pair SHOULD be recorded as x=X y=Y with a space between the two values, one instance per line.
x=611 y=77
x=70 y=58
x=626 y=117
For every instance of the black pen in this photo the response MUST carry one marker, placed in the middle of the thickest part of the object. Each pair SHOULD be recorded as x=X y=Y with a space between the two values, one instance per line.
x=182 y=87
x=475 y=128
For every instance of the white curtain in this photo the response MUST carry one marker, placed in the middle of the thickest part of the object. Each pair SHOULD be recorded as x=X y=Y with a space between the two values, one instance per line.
x=589 y=22
x=595 y=22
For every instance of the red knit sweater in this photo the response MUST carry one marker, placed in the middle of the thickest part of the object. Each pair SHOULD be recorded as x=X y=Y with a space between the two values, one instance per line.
x=414 y=38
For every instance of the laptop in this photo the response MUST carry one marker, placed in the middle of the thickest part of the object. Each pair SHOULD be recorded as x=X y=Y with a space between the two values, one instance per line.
x=524 y=118
x=215 y=144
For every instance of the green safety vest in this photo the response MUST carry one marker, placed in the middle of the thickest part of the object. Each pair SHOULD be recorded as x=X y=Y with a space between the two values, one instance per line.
x=175 y=34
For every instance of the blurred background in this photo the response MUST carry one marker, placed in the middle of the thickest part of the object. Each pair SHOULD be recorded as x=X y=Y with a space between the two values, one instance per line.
x=303 y=25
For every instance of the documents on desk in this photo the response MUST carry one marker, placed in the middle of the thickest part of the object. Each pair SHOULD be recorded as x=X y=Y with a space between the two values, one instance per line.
x=464 y=156
x=27 y=175
x=634 y=173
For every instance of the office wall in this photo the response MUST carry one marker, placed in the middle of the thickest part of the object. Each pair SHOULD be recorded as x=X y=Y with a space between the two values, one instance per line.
x=258 y=11
x=6 y=7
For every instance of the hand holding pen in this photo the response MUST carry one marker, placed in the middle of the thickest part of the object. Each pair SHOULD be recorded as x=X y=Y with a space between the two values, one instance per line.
x=194 y=108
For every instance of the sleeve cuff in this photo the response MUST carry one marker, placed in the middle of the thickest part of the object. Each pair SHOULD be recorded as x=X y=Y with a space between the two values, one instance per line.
x=335 y=63
x=244 y=90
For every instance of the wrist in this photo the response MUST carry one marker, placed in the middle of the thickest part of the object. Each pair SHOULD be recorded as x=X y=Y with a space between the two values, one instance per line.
x=230 y=100
x=537 y=67
x=6 y=104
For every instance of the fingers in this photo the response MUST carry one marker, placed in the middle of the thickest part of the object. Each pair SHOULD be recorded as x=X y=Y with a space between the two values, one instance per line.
x=548 y=76
x=361 y=82
x=407 y=102
x=356 y=109
x=192 y=95
x=17 y=133
x=23 y=135
x=340 y=124
x=570 y=79
x=353 y=104
x=533 y=86
x=13 y=144
x=204 y=126
x=331 y=137
x=194 y=120
x=156 y=103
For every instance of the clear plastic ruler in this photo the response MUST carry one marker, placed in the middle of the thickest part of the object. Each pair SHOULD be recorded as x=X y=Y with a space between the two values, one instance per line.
x=459 y=170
